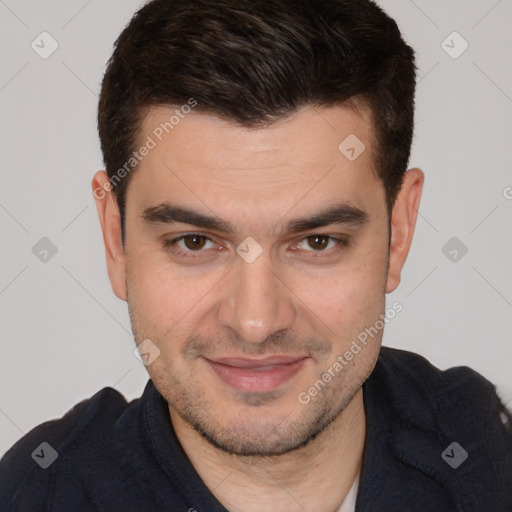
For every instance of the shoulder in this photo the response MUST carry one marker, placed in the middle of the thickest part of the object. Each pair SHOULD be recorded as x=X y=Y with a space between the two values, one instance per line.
x=411 y=377
x=33 y=461
x=446 y=406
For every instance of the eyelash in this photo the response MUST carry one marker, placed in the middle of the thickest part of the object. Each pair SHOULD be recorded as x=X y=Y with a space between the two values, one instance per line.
x=341 y=243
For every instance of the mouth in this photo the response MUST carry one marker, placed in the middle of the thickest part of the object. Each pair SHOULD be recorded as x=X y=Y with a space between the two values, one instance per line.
x=256 y=375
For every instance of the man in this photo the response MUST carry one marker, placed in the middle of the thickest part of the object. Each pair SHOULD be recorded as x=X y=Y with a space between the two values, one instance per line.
x=255 y=210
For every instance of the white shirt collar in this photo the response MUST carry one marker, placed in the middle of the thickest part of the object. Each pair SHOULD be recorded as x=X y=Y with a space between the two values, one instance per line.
x=349 y=503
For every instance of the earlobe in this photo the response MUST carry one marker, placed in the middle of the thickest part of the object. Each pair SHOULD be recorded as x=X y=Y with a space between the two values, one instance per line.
x=403 y=221
x=110 y=220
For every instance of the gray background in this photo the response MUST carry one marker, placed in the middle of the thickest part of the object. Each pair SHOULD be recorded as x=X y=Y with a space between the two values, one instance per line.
x=64 y=335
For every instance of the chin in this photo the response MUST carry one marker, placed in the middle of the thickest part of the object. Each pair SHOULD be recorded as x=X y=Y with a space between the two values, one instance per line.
x=260 y=433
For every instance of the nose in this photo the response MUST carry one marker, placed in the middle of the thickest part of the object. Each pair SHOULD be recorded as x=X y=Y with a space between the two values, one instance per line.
x=256 y=302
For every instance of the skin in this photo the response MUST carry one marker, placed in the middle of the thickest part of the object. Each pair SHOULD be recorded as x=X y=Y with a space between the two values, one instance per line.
x=304 y=297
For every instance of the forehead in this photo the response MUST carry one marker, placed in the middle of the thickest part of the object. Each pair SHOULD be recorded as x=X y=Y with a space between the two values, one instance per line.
x=202 y=158
x=313 y=130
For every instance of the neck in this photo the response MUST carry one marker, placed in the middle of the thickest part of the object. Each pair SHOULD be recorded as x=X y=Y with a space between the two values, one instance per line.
x=316 y=477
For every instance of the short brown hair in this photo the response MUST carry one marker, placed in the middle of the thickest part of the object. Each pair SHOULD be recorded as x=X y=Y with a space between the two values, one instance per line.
x=255 y=61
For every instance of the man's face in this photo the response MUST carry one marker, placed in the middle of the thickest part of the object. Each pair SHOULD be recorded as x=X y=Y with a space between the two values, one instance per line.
x=243 y=335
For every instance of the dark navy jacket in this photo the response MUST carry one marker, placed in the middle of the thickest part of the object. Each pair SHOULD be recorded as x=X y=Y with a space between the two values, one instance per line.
x=437 y=441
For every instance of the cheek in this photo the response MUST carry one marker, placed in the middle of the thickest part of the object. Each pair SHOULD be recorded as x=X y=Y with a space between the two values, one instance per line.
x=348 y=294
x=164 y=299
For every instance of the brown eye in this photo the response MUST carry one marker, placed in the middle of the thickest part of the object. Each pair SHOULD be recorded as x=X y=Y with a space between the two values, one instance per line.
x=322 y=245
x=318 y=242
x=191 y=245
x=194 y=242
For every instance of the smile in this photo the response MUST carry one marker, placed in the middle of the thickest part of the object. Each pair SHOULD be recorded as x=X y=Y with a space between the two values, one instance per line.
x=256 y=375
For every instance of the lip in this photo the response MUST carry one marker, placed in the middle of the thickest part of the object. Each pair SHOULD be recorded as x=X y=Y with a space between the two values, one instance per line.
x=256 y=375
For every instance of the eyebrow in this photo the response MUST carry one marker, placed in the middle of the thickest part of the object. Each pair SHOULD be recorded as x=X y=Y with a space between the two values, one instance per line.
x=166 y=213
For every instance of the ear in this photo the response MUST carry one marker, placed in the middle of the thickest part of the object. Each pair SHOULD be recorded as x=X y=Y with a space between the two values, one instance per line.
x=403 y=221
x=110 y=219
